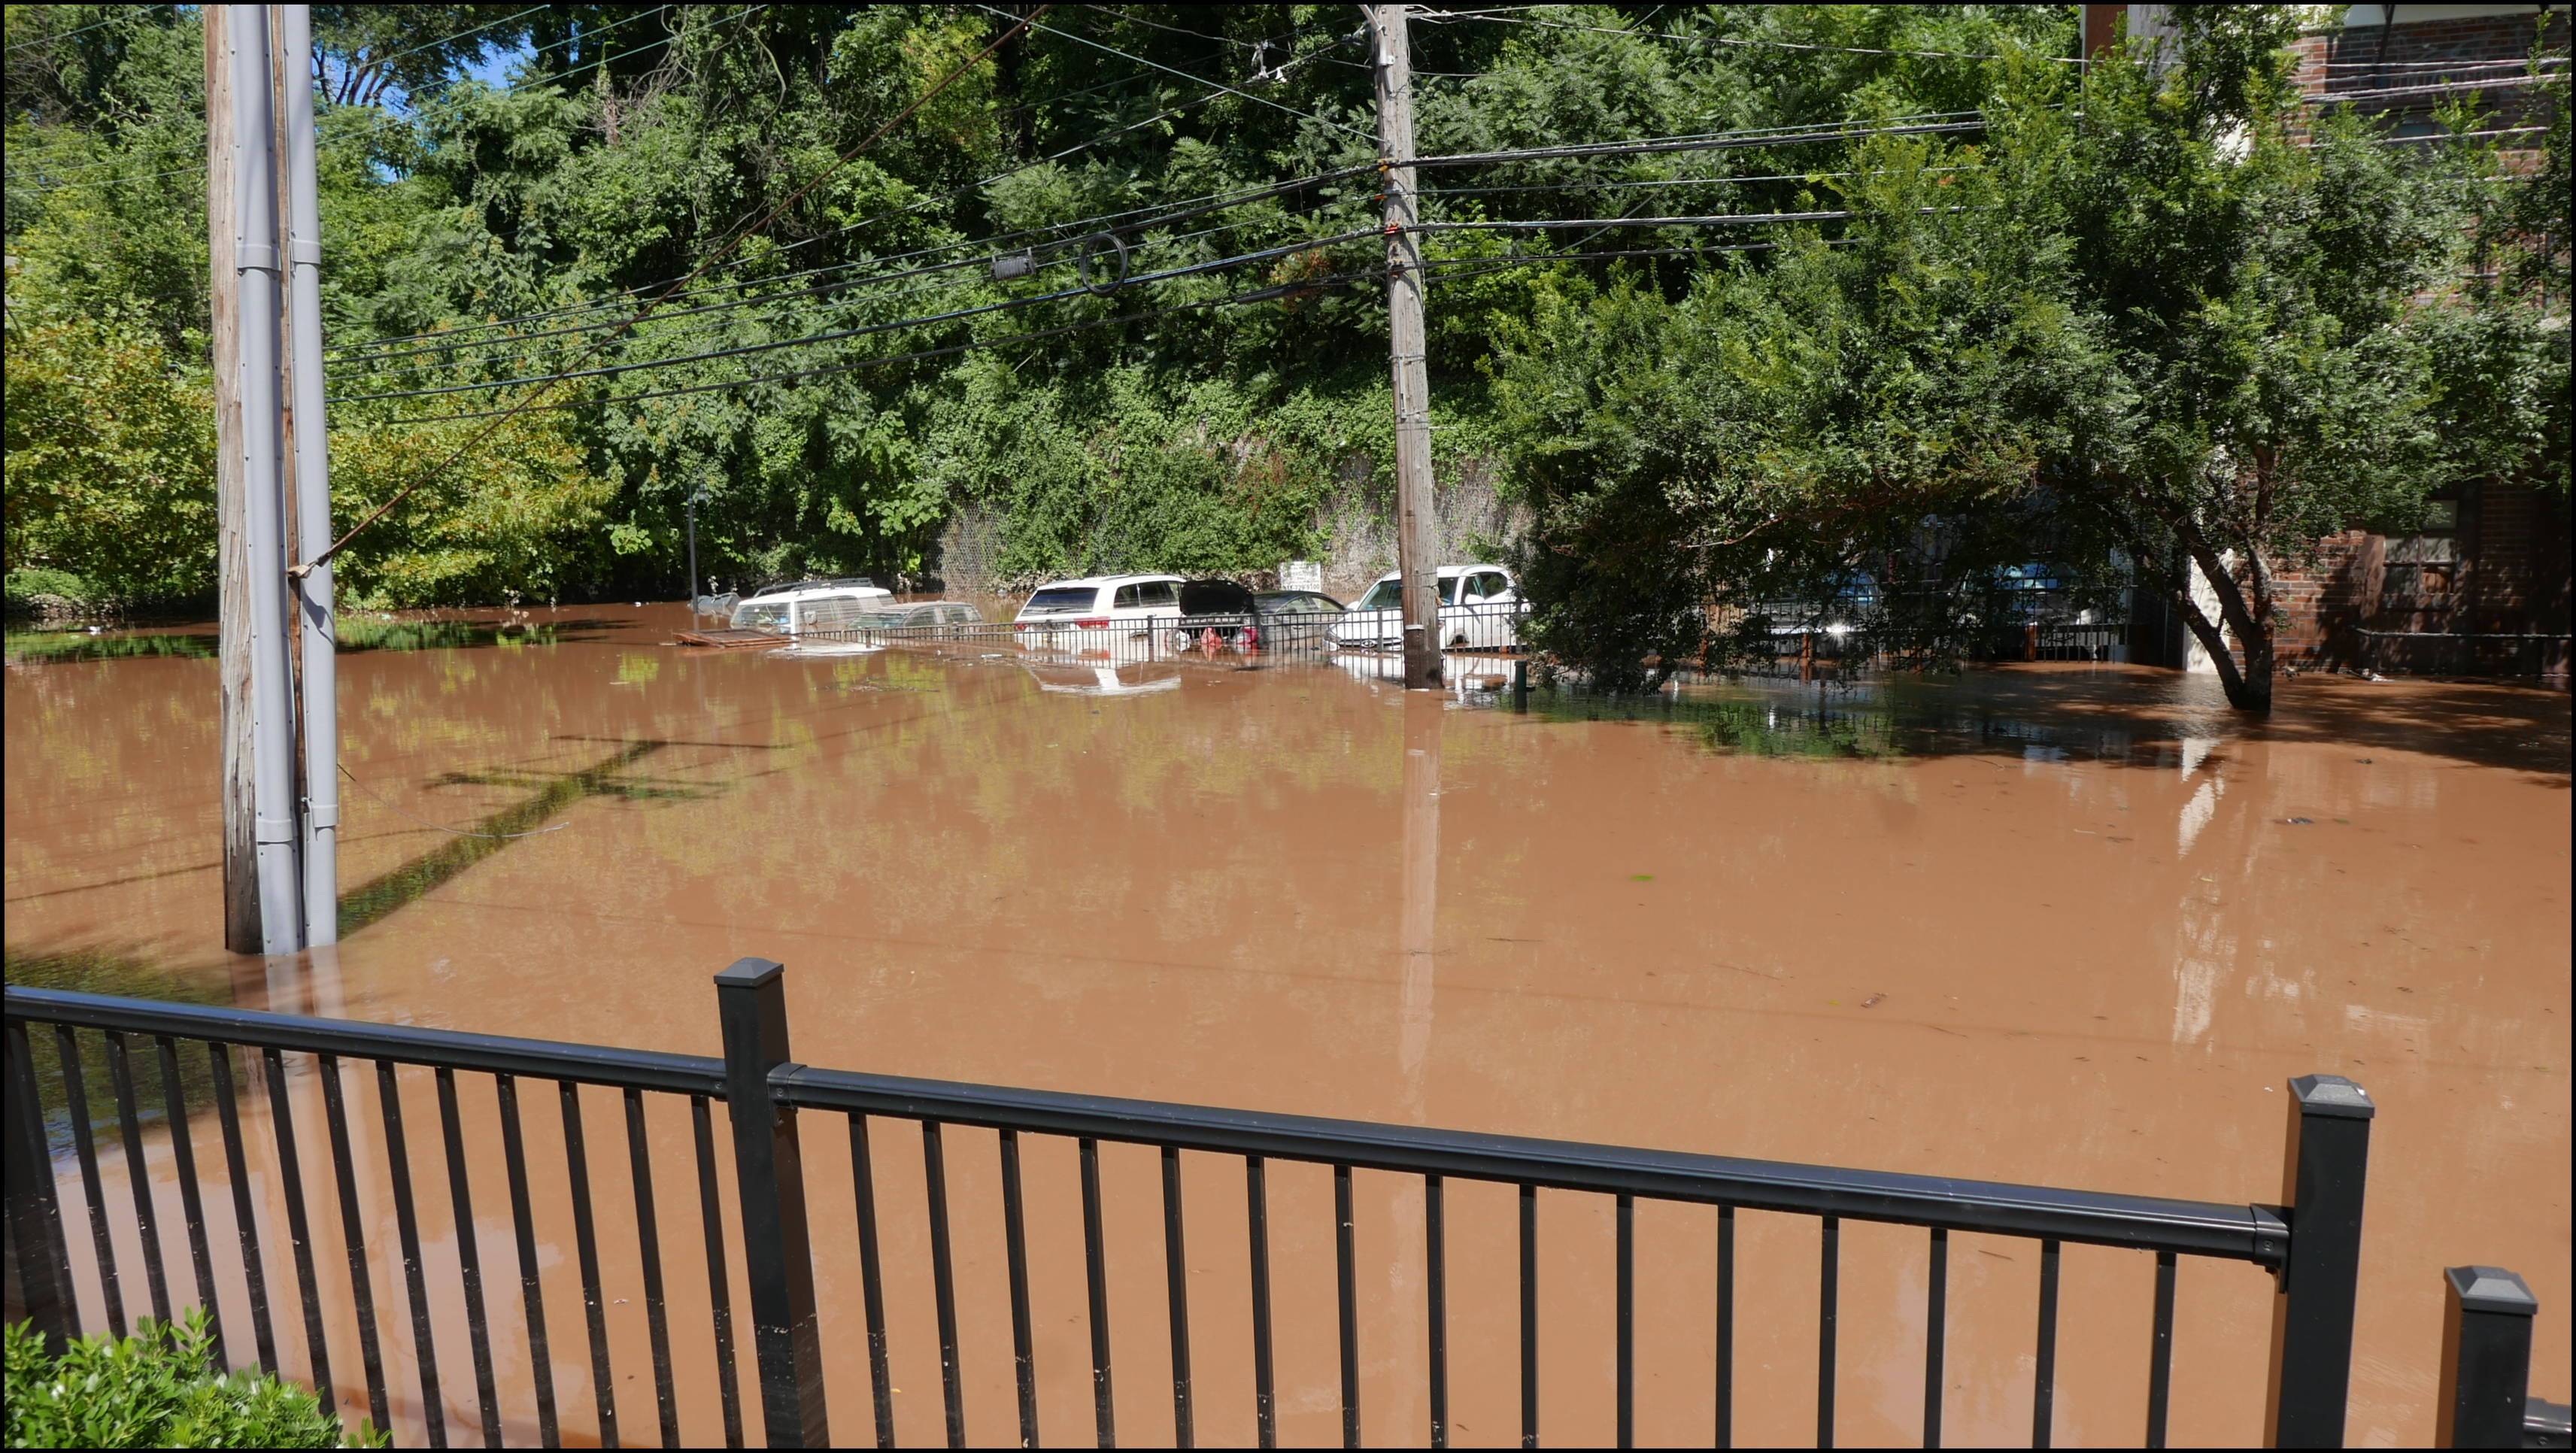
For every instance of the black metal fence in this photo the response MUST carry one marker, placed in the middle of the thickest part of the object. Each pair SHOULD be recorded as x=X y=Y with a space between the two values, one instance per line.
x=1483 y=627
x=2485 y=1399
x=2312 y=1247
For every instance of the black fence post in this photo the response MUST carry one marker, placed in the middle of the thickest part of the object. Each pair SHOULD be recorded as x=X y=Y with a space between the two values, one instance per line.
x=1520 y=685
x=2486 y=1358
x=40 y=1290
x=751 y=998
x=2323 y=1175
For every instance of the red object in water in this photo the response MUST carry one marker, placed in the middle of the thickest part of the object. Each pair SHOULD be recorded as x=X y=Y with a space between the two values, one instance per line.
x=1252 y=638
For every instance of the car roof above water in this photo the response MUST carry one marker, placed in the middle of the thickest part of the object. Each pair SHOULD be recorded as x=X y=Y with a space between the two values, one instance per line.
x=1096 y=581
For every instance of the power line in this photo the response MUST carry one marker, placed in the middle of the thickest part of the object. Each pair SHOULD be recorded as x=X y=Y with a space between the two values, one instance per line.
x=849 y=288
x=869 y=329
x=1606 y=223
x=1184 y=75
x=1503 y=19
x=1256 y=295
x=1750 y=137
x=1229 y=200
x=138 y=13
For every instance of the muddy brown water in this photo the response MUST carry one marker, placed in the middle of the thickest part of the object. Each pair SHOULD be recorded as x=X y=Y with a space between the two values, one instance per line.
x=2066 y=925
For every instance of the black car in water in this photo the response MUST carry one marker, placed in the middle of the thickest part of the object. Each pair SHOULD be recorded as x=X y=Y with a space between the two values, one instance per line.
x=1218 y=614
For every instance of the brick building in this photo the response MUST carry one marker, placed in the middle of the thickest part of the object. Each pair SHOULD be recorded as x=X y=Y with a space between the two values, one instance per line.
x=2483 y=587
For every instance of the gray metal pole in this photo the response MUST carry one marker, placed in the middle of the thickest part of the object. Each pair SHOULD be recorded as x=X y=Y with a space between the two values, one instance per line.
x=1416 y=525
x=315 y=624
x=272 y=688
x=693 y=555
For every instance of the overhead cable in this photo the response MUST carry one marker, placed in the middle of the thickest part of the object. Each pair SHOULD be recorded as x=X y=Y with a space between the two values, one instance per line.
x=1184 y=75
x=843 y=334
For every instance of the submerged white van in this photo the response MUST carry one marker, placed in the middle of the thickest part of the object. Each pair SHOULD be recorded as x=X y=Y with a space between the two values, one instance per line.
x=1102 y=603
x=1480 y=610
x=810 y=605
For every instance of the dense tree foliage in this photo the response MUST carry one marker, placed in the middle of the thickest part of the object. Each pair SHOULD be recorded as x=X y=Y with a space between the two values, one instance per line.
x=2160 y=319
x=626 y=147
x=1978 y=305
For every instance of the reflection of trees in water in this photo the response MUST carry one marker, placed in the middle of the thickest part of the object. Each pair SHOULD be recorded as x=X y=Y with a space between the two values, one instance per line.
x=1843 y=722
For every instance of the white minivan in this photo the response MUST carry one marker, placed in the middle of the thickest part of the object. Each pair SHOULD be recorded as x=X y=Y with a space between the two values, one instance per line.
x=809 y=605
x=1480 y=610
x=1101 y=603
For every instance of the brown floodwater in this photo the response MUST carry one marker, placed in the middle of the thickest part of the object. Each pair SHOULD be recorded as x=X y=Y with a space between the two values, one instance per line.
x=2058 y=924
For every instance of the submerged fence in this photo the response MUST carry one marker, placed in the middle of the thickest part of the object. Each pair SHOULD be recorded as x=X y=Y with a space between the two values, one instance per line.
x=202 y=1054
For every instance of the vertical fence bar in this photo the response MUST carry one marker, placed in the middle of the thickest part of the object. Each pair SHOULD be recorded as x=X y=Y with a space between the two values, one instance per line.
x=1346 y=1286
x=1096 y=1280
x=585 y=1236
x=2323 y=1174
x=469 y=1254
x=353 y=1233
x=1936 y=1336
x=943 y=1281
x=1627 y=1332
x=290 y=1173
x=1725 y=1327
x=871 y=1278
x=1015 y=1245
x=1828 y=1293
x=1435 y=1257
x=433 y=1405
x=1176 y=1272
x=85 y=1151
x=777 y=1259
x=719 y=1287
x=1256 y=1212
x=1529 y=1316
x=648 y=1249
x=2160 y=1352
x=192 y=1200
x=2043 y=1403
x=138 y=1175
x=532 y=1294
x=245 y=1223
x=35 y=1210
x=2487 y=1313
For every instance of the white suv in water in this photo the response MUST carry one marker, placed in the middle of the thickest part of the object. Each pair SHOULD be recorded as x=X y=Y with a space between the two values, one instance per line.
x=1102 y=603
x=810 y=605
x=1480 y=610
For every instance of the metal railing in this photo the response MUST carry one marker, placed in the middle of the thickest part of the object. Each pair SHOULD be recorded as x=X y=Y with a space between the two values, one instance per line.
x=2485 y=1399
x=2313 y=1246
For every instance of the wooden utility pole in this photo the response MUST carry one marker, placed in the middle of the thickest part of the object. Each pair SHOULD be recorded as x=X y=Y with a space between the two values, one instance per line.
x=1416 y=528
x=266 y=916
x=232 y=555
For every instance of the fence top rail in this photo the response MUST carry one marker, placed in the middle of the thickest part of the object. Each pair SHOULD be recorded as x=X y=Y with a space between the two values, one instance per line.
x=594 y=1064
x=2258 y=1234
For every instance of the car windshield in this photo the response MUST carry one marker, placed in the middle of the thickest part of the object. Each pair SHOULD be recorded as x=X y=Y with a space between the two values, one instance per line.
x=880 y=620
x=1389 y=594
x=764 y=617
x=1061 y=600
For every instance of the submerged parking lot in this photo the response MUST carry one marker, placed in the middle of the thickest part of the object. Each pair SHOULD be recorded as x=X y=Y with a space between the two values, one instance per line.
x=2069 y=925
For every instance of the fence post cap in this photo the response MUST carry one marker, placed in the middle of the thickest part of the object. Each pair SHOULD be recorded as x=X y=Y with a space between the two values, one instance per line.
x=749 y=974
x=2491 y=1289
x=2332 y=1095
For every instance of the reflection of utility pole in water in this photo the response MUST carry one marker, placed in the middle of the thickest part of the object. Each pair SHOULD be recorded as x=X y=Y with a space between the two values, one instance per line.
x=1417 y=928
x=1421 y=908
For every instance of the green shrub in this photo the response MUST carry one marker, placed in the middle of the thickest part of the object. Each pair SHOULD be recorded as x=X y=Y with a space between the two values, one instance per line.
x=159 y=1389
